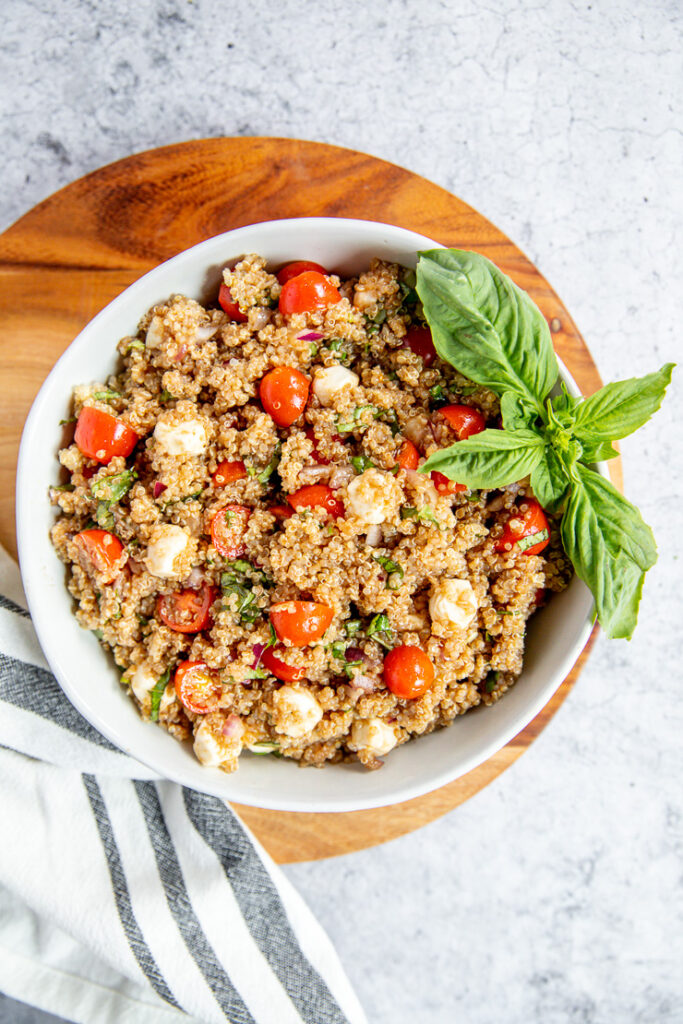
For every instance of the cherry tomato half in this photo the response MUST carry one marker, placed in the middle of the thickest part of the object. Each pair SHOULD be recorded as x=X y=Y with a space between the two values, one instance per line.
x=279 y=668
x=419 y=341
x=444 y=485
x=408 y=456
x=281 y=512
x=284 y=393
x=463 y=419
x=298 y=267
x=314 y=496
x=306 y=292
x=227 y=530
x=300 y=622
x=197 y=688
x=227 y=472
x=408 y=672
x=103 y=550
x=187 y=611
x=526 y=520
x=99 y=435
x=229 y=305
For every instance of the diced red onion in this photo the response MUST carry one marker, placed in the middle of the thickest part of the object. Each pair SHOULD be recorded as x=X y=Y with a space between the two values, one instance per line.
x=365 y=683
x=373 y=538
x=195 y=579
x=233 y=727
x=258 y=650
x=340 y=476
x=159 y=488
x=258 y=318
x=310 y=336
x=181 y=353
x=355 y=654
x=206 y=332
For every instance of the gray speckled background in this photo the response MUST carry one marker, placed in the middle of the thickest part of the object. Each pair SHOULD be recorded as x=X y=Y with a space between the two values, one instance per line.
x=555 y=894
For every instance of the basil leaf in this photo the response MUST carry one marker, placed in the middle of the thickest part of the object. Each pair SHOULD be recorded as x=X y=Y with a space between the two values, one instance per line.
x=620 y=408
x=485 y=326
x=516 y=413
x=157 y=693
x=549 y=480
x=113 y=488
x=598 y=451
x=492 y=458
x=611 y=549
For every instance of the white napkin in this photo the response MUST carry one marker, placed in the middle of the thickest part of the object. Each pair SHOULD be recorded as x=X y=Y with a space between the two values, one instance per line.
x=125 y=898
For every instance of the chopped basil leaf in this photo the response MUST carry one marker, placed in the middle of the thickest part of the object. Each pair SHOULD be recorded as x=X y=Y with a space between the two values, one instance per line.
x=352 y=626
x=266 y=473
x=361 y=462
x=71 y=419
x=113 y=488
x=106 y=396
x=380 y=631
x=257 y=673
x=393 y=570
x=492 y=680
x=422 y=515
x=264 y=747
x=136 y=344
x=104 y=517
x=524 y=543
x=64 y=487
x=166 y=396
x=157 y=693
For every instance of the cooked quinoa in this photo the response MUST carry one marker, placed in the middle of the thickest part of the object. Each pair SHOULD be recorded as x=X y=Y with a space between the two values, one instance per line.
x=395 y=561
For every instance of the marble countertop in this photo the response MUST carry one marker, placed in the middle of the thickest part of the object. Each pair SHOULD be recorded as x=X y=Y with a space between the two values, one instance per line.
x=555 y=894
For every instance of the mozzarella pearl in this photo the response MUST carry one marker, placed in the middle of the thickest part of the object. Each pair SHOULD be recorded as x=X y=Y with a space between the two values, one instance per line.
x=329 y=382
x=142 y=681
x=374 y=496
x=374 y=735
x=185 y=438
x=453 y=604
x=298 y=711
x=167 y=544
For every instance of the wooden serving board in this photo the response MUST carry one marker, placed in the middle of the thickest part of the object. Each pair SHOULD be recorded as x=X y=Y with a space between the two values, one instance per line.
x=73 y=253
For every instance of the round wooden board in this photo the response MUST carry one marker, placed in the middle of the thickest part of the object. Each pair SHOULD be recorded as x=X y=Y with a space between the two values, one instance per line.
x=72 y=254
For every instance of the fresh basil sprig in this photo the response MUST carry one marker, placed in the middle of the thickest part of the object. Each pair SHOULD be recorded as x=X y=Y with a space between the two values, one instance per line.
x=492 y=332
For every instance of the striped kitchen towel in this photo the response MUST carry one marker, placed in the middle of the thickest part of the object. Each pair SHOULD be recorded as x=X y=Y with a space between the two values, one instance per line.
x=126 y=898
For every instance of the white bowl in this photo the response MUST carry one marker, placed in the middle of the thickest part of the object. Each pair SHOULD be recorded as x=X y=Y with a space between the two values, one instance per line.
x=88 y=676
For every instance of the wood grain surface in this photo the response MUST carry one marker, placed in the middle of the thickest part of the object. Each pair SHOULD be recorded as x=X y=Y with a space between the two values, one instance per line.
x=73 y=253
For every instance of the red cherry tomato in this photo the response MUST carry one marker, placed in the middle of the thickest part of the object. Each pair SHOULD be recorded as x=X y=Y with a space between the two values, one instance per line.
x=408 y=672
x=227 y=530
x=306 y=292
x=103 y=550
x=300 y=622
x=279 y=668
x=284 y=393
x=187 y=611
x=408 y=456
x=317 y=495
x=444 y=485
x=99 y=435
x=298 y=267
x=419 y=341
x=526 y=520
x=227 y=472
x=464 y=420
x=281 y=512
x=229 y=305
x=198 y=690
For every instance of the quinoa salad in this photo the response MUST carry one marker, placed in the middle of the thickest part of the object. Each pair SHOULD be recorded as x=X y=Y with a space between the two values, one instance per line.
x=246 y=529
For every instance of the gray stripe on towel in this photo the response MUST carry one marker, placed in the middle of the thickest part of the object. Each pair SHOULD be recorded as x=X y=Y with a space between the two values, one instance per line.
x=11 y=606
x=136 y=940
x=35 y=689
x=181 y=908
x=262 y=908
